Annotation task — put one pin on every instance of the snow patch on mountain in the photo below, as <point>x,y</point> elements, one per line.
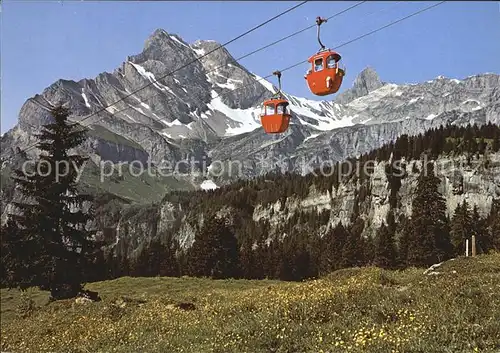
<point>151,77</point>
<point>471,105</point>
<point>268,85</point>
<point>331,124</point>
<point>310,137</point>
<point>375,97</point>
<point>86,100</point>
<point>414,100</point>
<point>130,118</point>
<point>246,119</point>
<point>170,124</point>
<point>276,139</point>
<point>199,52</point>
<point>138,109</point>
<point>227,85</point>
<point>320,111</point>
<point>111,109</point>
<point>471,101</point>
<point>141,102</point>
<point>178,41</point>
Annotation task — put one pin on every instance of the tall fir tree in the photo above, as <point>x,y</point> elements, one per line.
<point>140,265</point>
<point>215,251</point>
<point>112,266</point>
<point>248,259</point>
<point>479,229</point>
<point>96,270</point>
<point>366,245</point>
<point>332,245</point>
<point>495,145</point>
<point>493,230</point>
<point>461,228</point>
<point>429,242</point>
<point>284,269</point>
<point>405,233</point>
<point>52,245</point>
<point>258,254</point>
<point>157,259</point>
<point>369,250</point>
<point>295,261</point>
<point>385,249</point>
<point>226,252</point>
<point>353,251</point>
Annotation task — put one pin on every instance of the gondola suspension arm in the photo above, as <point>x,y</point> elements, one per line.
<point>319,21</point>
<point>278,74</point>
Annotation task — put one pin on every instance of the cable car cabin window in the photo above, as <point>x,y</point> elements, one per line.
<point>330,62</point>
<point>270,109</point>
<point>281,109</point>
<point>318,64</point>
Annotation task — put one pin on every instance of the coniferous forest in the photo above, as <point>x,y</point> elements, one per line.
<point>243,249</point>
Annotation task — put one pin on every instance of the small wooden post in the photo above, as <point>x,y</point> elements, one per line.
<point>473,245</point>
<point>466,247</point>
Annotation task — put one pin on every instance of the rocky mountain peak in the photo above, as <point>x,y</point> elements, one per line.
<point>218,57</point>
<point>161,44</point>
<point>158,37</point>
<point>212,106</point>
<point>367,81</point>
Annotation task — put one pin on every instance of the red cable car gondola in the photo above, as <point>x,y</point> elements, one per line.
<point>275,117</point>
<point>325,76</point>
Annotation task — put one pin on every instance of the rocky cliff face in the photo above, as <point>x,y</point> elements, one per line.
<point>195,114</point>
<point>476,180</point>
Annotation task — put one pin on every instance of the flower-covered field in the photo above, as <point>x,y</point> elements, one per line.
<point>454,309</point>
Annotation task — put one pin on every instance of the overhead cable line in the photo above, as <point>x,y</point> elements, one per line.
<point>152,82</point>
<point>337,47</point>
<point>254,52</point>
<point>261,48</point>
<point>301,62</point>
<point>212,70</point>
<point>305,61</point>
<point>345,43</point>
<point>197,59</point>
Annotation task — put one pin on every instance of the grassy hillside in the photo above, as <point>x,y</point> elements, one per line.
<point>144,188</point>
<point>454,309</point>
<point>101,132</point>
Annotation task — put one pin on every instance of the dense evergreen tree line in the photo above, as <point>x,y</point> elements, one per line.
<point>300,252</point>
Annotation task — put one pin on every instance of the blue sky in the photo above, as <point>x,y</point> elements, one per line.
<point>47,40</point>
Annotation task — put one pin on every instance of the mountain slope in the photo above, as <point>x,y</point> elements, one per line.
<point>192,113</point>
<point>293,204</point>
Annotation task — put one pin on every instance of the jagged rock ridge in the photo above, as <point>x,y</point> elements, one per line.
<point>191,114</point>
